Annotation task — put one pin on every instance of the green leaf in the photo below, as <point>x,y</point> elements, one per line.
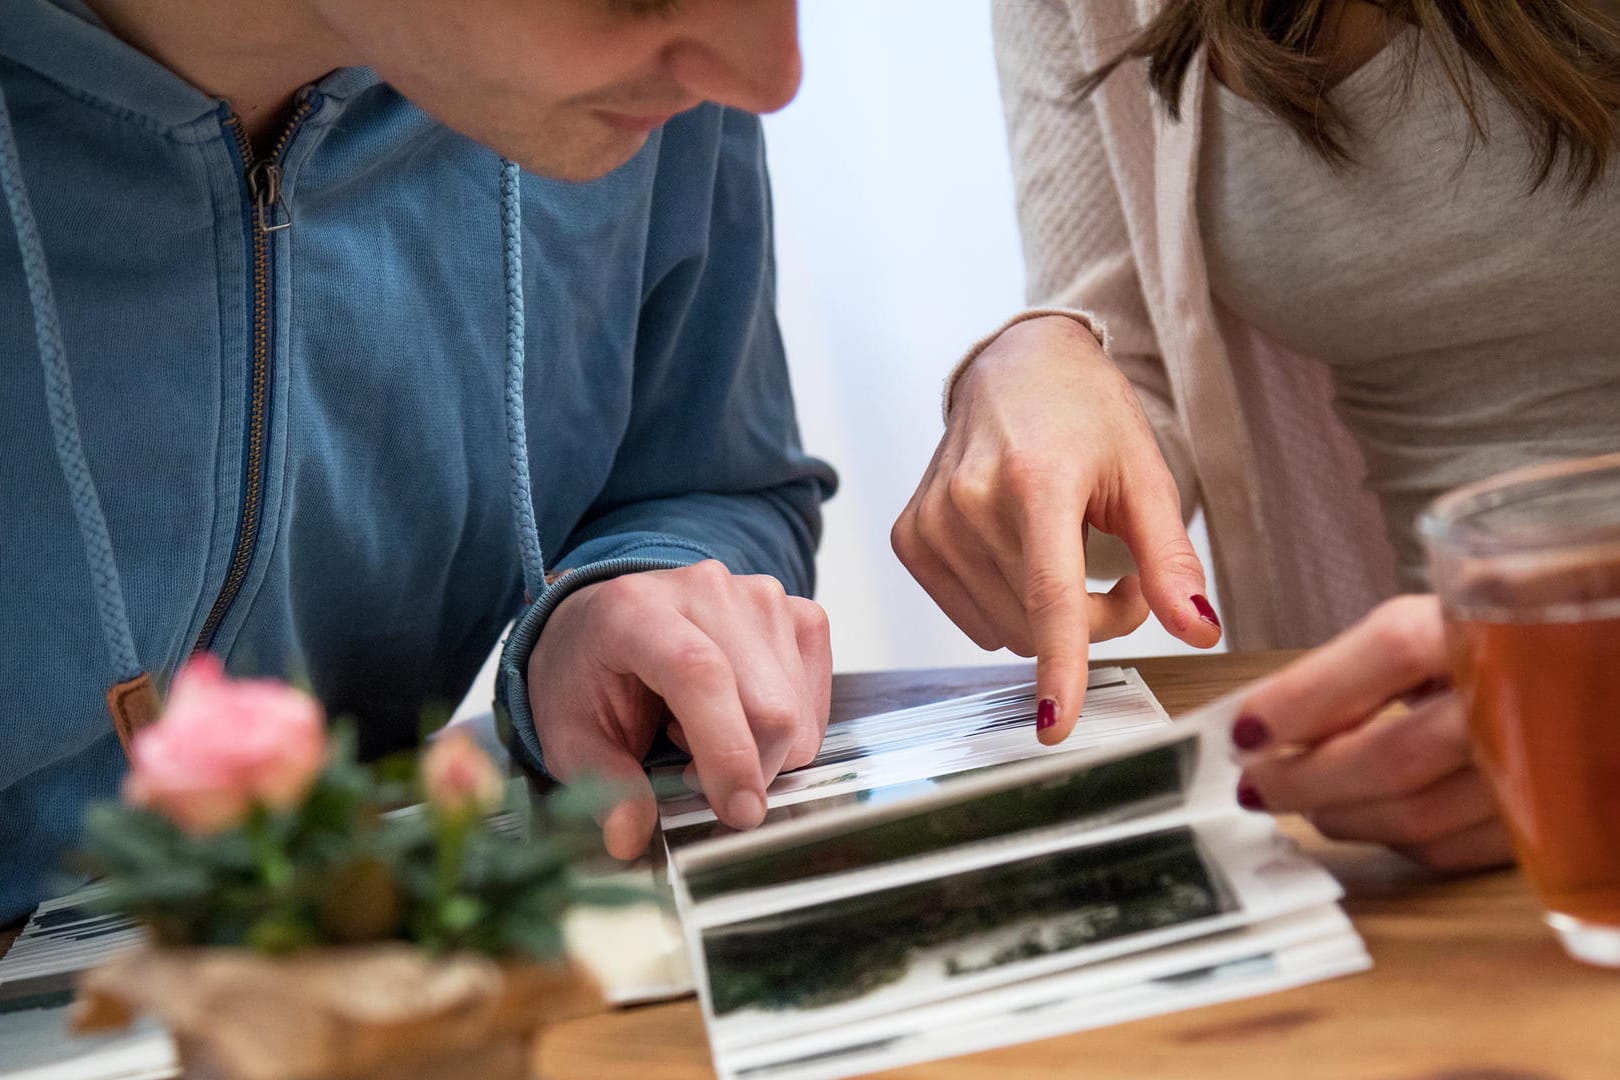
<point>329,807</point>
<point>118,837</point>
<point>281,932</point>
<point>432,719</point>
<point>137,893</point>
<point>494,862</point>
<point>460,913</point>
<point>580,801</point>
<point>609,895</point>
<point>542,940</point>
<point>342,742</point>
<point>399,768</point>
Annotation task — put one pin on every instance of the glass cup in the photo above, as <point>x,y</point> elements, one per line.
<point>1527,567</point>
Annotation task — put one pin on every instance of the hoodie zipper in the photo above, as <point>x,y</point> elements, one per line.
<point>263,178</point>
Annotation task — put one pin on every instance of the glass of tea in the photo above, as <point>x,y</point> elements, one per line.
<point>1527,567</point>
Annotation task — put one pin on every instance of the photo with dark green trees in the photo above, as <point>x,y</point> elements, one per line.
<point>841,951</point>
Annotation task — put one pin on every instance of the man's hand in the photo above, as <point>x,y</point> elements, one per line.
<point>1045,439</point>
<point>1323,740</point>
<point>740,670</point>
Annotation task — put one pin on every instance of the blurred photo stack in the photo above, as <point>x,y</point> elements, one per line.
<point>938,882</point>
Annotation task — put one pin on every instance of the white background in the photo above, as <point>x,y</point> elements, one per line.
<point>897,247</point>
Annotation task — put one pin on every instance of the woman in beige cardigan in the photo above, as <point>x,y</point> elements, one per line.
<point>1415,193</point>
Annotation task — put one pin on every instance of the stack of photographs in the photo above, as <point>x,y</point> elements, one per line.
<point>937,882</point>
<point>64,937</point>
<point>886,756</point>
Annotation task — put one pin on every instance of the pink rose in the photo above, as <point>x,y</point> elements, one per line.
<point>459,777</point>
<point>222,746</point>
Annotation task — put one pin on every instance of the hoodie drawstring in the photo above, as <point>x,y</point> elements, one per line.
<point>70,457</point>
<point>517,438</point>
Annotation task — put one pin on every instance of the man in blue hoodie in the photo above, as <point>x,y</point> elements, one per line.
<point>325,319</point>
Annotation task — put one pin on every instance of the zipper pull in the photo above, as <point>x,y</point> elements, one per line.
<point>264,184</point>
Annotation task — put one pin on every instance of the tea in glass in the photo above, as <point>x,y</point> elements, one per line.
<point>1527,567</point>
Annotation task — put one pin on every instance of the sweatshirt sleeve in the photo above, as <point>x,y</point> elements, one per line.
<point>1078,247</point>
<point>710,465</point>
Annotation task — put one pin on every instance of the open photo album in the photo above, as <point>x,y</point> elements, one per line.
<point>938,882</point>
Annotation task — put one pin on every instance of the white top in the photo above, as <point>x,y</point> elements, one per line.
<point>1468,326</point>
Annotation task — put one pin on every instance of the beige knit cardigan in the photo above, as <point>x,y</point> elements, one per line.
<point>1107,199</point>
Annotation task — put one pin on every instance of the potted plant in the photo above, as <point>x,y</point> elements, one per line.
<point>305,923</point>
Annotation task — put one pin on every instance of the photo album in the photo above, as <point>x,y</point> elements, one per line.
<point>938,882</point>
<point>934,883</point>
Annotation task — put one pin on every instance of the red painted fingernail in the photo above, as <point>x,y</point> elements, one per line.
<point>1206,610</point>
<point>1250,733</point>
<point>1045,714</point>
<point>1249,798</point>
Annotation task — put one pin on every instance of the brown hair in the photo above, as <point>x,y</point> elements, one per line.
<point>1555,62</point>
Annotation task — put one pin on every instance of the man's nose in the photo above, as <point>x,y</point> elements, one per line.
<point>743,54</point>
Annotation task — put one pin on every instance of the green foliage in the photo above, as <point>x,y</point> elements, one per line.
<point>338,869</point>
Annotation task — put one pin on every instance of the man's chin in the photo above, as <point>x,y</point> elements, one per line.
<point>581,160</point>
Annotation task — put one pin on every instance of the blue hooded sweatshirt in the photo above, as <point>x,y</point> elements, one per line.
<point>320,412</point>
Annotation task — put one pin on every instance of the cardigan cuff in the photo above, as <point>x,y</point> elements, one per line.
<point>1084,318</point>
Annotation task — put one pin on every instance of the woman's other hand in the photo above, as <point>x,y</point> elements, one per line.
<point>1366,738</point>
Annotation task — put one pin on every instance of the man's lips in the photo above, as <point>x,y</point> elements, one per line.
<point>642,122</point>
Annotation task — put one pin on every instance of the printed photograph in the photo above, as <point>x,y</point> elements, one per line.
<point>1134,786</point>
<point>682,837</point>
<point>947,928</point>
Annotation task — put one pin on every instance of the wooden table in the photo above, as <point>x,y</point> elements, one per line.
<point>1467,985</point>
